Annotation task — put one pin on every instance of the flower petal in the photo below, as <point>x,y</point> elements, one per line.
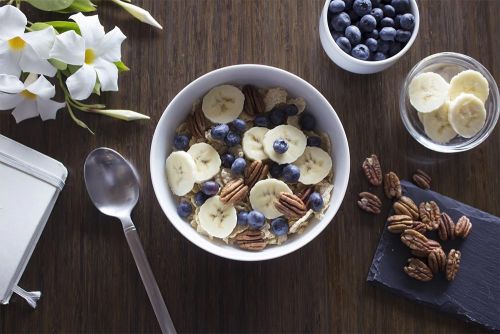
<point>42,88</point>
<point>9,63</point>
<point>69,47</point>
<point>91,29</point>
<point>48,108</point>
<point>24,110</point>
<point>9,101</point>
<point>81,83</point>
<point>41,41</point>
<point>140,14</point>
<point>10,84</point>
<point>108,75</point>
<point>31,62</point>
<point>110,46</point>
<point>13,22</point>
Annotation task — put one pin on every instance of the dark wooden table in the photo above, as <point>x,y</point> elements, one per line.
<point>82,262</point>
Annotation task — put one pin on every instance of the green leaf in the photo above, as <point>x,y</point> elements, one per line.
<point>60,26</point>
<point>58,64</point>
<point>50,5</point>
<point>73,68</point>
<point>39,26</point>
<point>121,66</point>
<point>97,88</point>
<point>79,6</point>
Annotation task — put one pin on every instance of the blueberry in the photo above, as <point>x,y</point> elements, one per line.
<point>277,116</point>
<point>275,170</point>
<point>181,142</point>
<point>348,4</point>
<point>361,51</point>
<point>184,209</point>
<point>307,122</point>
<point>395,48</point>
<point>401,6</point>
<point>316,201</point>
<point>372,44</point>
<point>242,218</point>
<point>210,188</point>
<point>232,138</point>
<point>383,46</point>
<point>314,141</point>
<point>402,36</point>
<point>227,160</point>
<point>280,146</point>
<point>340,21</point>
<point>407,21</point>
<point>336,6</point>
<point>262,120</point>
<point>389,11</point>
<point>377,13</point>
<point>291,173</point>
<point>336,34</point>
<point>279,226</point>
<point>238,166</point>
<point>386,22</point>
<point>219,131</point>
<point>368,23</point>
<point>353,34</point>
<point>352,15</point>
<point>200,198</point>
<point>344,44</point>
<point>387,34</point>
<point>291,110</point>
<point>239,125</point>
<point>397,21</point>
<point>372,34</point>
<point>362,7</point>
<point>379,56</point>
<point>255,219</point>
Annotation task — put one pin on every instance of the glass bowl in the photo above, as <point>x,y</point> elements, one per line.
<point>448,64</point>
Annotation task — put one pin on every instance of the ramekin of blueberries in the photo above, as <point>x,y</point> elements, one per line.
<point>367,36</point>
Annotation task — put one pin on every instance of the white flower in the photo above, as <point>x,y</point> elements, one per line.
<point>139,13</point>
<point>20,51</point>
<point>29,99</point>
<point>94,50</point>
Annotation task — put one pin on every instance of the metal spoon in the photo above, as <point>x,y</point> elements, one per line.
<point>113,186</point>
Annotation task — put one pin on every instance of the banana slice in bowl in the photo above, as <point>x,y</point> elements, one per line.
<point>428,92</point>
<point>471,82</point>
<point>315,164</point>
<point>295,138</point>
<point>207,161</point>
<point>252,143</point>
<point>216,218</point>
<point>467,115</point>
<point>223,104</point>
<point>436,125</point>
<point>263,195</point>
<point>180,169</point>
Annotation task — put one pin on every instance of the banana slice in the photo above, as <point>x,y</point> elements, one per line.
<point>467,115</point>
<point>295,138</point>
<point>263,195</point>
<point>180,168</point>
<point>436,125</point>
<point>428,91</point>
<point>207,161</point>
<point>223,104</point>
<point>471,82</point>
<point>217,218</point>
<point>315,164</point>
<point>252,143</point>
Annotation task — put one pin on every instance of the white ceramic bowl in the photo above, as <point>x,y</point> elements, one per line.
<point>351,64</point>
<point>261,76</point>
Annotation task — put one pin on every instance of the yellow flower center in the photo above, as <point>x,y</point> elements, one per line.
<point>28,95</point>
<point>89,56</point>
<point>16,43</point>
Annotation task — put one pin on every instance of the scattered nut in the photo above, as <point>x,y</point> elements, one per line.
<point>372,169</point>
<point>392,186</point>
<point>452,264</point>
<point>446,229</point>
<point>463,227</point>
<point>255,172</point>
<point>406,206</point>
<point>422,179</point>
<point>290,205</point>
<point>369,202</point>
<point>419,227</point>
<point>233,192</point>
<point>430,214</point>
<point>251,240</point>
<point>437,260</point>
<point>254,102</point>
<point>419,242</point>
<point>418,270</point>
<point>399,223</point>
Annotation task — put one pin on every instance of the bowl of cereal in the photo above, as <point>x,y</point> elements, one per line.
<point>249,162</point>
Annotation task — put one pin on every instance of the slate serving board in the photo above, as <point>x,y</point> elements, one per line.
<point>474,295</point>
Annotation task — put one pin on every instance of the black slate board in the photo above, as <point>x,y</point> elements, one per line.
<point>474,295</point>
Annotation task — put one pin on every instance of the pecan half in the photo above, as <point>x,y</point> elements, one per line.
<point>430,214</point>
<point>290,205</point>
<point>406,206</point>
<point>419,227</point>
<point>446,229</point>
<point>419,242</point>
<point>305,193</point>
<point>418,270</point>
<point>463,227</point>
<point>369,202</point>
<point>437,260</point>
<point>251,240</point>
<point>233,192</point>
<point>392,185</point>
<point>422,179</point>
<point>254,102</point>
<point>255,172</point>
<point>399,223</point>
<point>372,169</point>
<point>197,123</point>
<point>452,264</point>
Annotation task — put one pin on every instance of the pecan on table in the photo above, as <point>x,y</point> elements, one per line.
<point>418,270</point>
<point>405,206</point>
<point>437,260</point>
<point>446,229</point>
<point>419,242</point>
<point>290,205</point>
<point>233,192</point>
<point>399,223</point>
<point>369,202</point>
<point>255,172</point>
<point>392,186</point>
<point>422,179</point>
<point>254,102</point>
<point>452,264</point>
<point>251,240</point>
<point>305,193</point>
<point>430,214</point>
<point>372,169</point>
<point>197,123</point>
<point>463,227</point>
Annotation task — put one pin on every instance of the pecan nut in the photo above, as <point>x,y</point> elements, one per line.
<point>255,172</point>
<point>418,253</point>
<point>437,260</point>
<point>418,270</point>
<point>399,223</point>
<point>254,102</point>
<point>419,242</point>
<point>372,169</point>
<point>290,205</point>
<point>422,179</point>
<point>233,192</point>
<point>463,227</point>
<point>419,227</point>
<point>452,264</point>
<point>392,186</point>
<point>251,240</point>
<point>406,206</point>
<point>446,229</point>
<point>305,193</point>
<point>430,214</point>
<point>197,123</point>
<point>369,202</point>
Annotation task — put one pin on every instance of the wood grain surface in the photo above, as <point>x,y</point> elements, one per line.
<point>82,262</point>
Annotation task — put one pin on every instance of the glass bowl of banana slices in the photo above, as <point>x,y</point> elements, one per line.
<point>449,102</point>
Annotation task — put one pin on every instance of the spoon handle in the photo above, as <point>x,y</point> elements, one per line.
<point>148,278</point>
